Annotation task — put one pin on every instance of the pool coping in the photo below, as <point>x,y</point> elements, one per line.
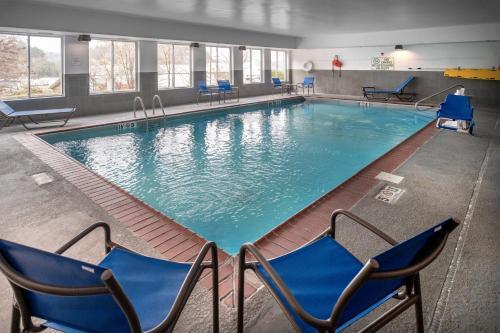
<point>178,243</point>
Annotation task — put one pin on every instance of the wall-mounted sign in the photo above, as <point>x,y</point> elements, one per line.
<point>383,63</point>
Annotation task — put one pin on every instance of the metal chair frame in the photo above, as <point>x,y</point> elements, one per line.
<point>410,296</point>
<point>21,310</point>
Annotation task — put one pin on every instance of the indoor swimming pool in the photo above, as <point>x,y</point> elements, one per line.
<point>233,175</point>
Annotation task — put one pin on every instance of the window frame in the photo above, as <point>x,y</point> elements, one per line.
<point>231,62</point>
<point>173,64</point>
<point>262,73</point>
<point>137,72</point>
<point>63,81</point>
<point>286,62</point>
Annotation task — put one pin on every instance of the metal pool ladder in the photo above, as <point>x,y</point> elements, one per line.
<point>157,98</point>
<point>138,101</point>
<point>275,102</point>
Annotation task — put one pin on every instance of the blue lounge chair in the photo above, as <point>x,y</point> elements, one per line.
<point>125,292</point>
<point>322,287</point>
<point>456,108</point>
<point>10,116</point>
<point>225,87</point>
<point>204,90</point>
<point>370,93</point>
<point>277,84</point>
<point>307,83</point>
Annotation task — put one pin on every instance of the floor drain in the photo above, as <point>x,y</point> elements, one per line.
<point>389,194</point>
<point>42,178</point>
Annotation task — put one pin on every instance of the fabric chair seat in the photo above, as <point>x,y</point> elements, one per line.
<point>334,268</point>
<point>151,284</point>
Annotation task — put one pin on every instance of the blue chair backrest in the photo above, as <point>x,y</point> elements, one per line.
<point>397,257</point>
<point>86,313</point>
<point>202,86</point>
<point>404,84</point>
<point>5,109</point>
<point>456,107</point>
<point>309,80</point>
<point>224,85</point>
<point>276,81</point>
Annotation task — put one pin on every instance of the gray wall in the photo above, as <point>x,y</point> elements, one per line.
<point>484,93</point>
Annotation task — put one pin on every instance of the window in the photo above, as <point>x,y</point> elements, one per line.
<point>252,66</point>
<point>174,66</point>
<point>30,66</point>
<point>112,66</point>
<point>218,64</point>
<point>279,66</point>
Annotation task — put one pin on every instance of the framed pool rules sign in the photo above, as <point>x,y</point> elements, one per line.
<point>383,63</point>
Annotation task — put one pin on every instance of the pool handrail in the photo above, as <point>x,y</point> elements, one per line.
<point>158,98</point>
<point>436,94</point>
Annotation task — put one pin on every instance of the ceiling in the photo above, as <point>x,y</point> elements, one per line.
<point>303,18</point>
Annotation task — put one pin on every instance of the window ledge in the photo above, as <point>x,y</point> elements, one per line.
<point>175,88</point>
<point>32,98</point>
<point>114,92</point>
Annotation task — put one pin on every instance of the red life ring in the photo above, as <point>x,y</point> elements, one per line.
<point>336,62</point>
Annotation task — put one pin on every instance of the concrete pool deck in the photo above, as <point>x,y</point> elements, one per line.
<point>449,163</point>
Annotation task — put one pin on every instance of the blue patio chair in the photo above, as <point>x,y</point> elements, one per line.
<point>204,90</point>
<point>125,292</point>
<point>370,93</point>
<point>459,109</point>
<point>322,287</point>
<point>225,87</point>
<point>277,84</point>
<point>307,83</point>
<point>9,116</point>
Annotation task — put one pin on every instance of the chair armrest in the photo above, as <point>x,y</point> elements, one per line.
<point>367,87</point>
<point>280,284</point>
<point>108,244</point>
<point>360,221</point>
<point>188,285</point>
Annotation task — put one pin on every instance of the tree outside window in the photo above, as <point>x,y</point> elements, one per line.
<point>279,64</point>
<point>252,66</point>
<point>174,66</point>
<point>30,66</point>
<point>218,61</point>
<point>112,66</point>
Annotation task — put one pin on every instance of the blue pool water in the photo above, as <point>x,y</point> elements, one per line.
<point>233,175</point>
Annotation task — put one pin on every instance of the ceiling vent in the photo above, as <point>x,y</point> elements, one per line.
<point>84,38</point>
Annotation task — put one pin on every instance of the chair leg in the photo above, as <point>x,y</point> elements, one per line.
<point>418,306</point>
<point>241,291</point>
<point>215,290</point>
<point>15,321</point>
